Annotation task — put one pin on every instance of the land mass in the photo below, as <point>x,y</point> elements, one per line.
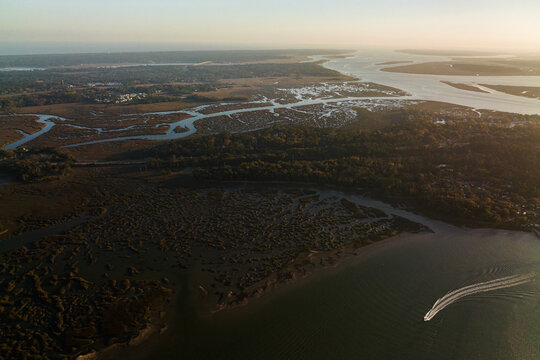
<point>164,57</point>
<point>526,91</point>
<point>464,86</point>
<point>128,239</point>
<point>473,67</point>
<point>252,200</point>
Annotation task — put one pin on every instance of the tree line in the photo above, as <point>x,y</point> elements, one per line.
<point>464,170</point>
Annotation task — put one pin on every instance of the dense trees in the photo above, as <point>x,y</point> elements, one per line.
<point>106,94</point>
<point>12,82</point>
<point>157,83</point>
<point>466,170</point>
<point>35,164</point>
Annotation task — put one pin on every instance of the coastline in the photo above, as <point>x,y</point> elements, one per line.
<point>337,263</point>
<point>324,264</point>
<point>306,267</point>
<point>156,325</point>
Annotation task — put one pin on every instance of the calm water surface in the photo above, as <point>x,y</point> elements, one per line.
<point>373,306</point>
<point>366,66</point>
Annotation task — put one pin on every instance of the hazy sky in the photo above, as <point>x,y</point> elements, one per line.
<point>479,24</point>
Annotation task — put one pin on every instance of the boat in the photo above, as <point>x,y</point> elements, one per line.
<point>453,296</point>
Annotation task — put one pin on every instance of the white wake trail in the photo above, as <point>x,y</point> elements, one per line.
<point>491,285</point>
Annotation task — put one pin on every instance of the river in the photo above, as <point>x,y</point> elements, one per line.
<point>373,305</point>
<point>195,114</point>
<point>361,65</point>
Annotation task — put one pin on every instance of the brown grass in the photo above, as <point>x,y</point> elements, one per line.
<point>437,107</point>
<point>242,88</point>
<point>115,150</point>
<point>82,111</point>
<point>43,203</point>
<point>10,124</point>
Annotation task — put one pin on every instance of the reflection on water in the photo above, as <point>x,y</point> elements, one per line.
<point>362,65</point>
<point>374,306</point>
<point>42,119</point>
<point>430,87</point>
<point>188,123</point>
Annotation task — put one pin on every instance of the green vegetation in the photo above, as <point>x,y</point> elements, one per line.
<point>125,238</point>
<point>466,171</point>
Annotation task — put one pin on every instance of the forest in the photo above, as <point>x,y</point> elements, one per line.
<point>159,83</point>
<point>469,172</point>
<point>12,82</point>
<point>35,164</point>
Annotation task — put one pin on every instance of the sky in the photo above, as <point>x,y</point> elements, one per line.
<point>39,25</point>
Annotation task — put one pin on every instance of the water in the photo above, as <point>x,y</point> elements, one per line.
<point>374,308</point>
<point>43,119</point>
<point>362,65</point>
<point>21,69</point>
<point>429,87</point>
<point>195,115</point>
<point>492,285</point>
<point>185,123</point>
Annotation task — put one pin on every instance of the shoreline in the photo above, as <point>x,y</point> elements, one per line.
<point>306,266</point>
<point>348,257</point>
<point>156,325</point>
<point>195,302</point>
<point>152,338</point>
<point>448,68</point>
<point>186,127</point>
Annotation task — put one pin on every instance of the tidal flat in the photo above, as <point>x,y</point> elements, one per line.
<point>155,247</point>
<point>118,270</point>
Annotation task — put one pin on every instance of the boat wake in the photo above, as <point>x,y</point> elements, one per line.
<point>491,285</point>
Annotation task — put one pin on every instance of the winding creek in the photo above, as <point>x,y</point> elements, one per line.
<point>372,306</point>
<point>188,123</point>
<point>42,119</point>
<point>362,65</point>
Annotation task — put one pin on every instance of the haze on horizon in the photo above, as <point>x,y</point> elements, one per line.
<point>32,26</point>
